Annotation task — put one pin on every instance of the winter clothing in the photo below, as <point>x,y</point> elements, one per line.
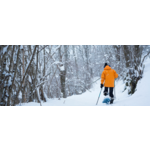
<point>110,92</point>
<point>105,93</point>
<point>102,85</point>
<point>108,75</point>
<point>105,65</point>
<point>112,101</point>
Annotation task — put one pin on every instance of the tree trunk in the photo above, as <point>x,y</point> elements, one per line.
<point>23,72</point>
<point>62,74</point>
<point>42,88</point>
<point>127,55</point>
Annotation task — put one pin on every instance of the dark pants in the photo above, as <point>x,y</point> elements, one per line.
<point>110,91</point>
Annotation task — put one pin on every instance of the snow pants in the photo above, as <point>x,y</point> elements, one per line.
<point>110,91</point>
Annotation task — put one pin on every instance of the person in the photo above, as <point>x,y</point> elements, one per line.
<point>107,80</point>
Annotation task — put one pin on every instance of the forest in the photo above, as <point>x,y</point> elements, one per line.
<point>33,73</point>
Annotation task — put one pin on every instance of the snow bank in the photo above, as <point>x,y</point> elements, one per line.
<point>141,97</point>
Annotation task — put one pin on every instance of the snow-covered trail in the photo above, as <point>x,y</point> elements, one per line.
<point>86,99</point>
<point>140,98</point>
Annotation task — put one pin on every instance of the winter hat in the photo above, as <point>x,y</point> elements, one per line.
<point>105,65</point>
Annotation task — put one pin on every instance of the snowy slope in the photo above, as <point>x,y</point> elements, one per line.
<point>142,95</point>
<point>140,98</point>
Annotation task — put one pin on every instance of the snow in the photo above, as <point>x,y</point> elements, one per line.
<point>9,82</point>
<point>140,98</point>
<point>30,79</point>
<point>5,49</point>
<point>21,46</point>
<point>20,95</point>
<point>62,68</point>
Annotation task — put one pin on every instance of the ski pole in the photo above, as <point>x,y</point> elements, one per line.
<point>99,96</point>
<point>115,90</point>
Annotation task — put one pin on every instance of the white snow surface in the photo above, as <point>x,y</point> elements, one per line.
<point>140,98</point>
<point>62,68</point>
<point>5,49</point>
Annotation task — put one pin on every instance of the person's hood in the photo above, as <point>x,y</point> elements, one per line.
<point>107,68</point>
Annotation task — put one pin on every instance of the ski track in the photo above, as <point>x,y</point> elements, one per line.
<point>140,98</point>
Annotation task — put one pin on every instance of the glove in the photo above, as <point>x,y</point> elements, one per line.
<point>102,85</point>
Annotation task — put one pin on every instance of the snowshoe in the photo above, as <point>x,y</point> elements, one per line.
<point>106,100</point>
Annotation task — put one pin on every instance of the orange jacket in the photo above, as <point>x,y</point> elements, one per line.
<point>108,75</point>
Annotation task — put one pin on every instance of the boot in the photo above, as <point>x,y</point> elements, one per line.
<point>105,93</point>
<point>112,101</point>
